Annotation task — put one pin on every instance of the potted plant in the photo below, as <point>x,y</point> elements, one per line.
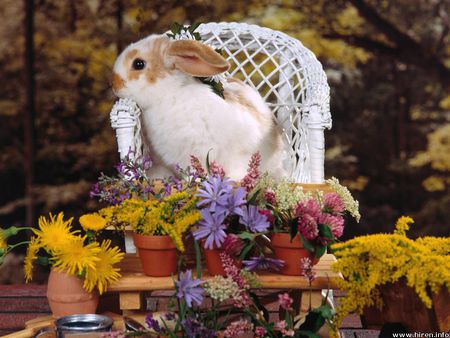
<point>304,223</point>
<point>392,278</point>
<point>81,266</point>
<point>231,219</point>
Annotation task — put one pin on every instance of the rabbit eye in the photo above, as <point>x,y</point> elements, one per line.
<point>138,64</point>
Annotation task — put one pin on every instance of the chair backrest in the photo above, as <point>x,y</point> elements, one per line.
<point>291,80</point>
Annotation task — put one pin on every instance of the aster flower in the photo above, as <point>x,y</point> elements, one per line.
<point>253,219</point>
<point>212,227</point>
<point>263,263</point>
<point>333,203</point>
<point>236,200</point>
<point>233,245</point>
<point>335,223</point>
<point>188,289</point>
<point>307,269</point>
<point>253,173</point>
<point>215,193</point>
<point>152,323</point>
<point>237,328</point>
<point>285,301</point>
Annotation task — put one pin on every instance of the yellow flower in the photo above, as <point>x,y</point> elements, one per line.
<point>92,222</point>
<point>402,225</point>
<point>54,233</point>
<point>74,257</point>
<point>32,250</point>
<point>103,272</point>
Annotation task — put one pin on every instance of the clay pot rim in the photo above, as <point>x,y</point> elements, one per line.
<point>283,240</point>
<point>155,242</point>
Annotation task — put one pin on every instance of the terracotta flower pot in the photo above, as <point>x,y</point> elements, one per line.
<point>66,295</point>
<point>214,263</point>
<point>158,255</point>
<point>291,252</point>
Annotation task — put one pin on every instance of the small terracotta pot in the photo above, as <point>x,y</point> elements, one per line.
<point>66,295</point>
<point>291,252</point>
<point>158,255</point>
<point>214,263</point>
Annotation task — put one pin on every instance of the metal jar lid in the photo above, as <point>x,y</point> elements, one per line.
<point>84,323</point>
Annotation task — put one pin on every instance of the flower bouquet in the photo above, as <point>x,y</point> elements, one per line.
<point>81,266</point>
<point>304,224</point>
<point>398,275</point>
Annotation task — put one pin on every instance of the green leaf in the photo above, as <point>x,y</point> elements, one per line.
<point>325,311</point>
<point>194,26</point>
<point>307,244</point>
<point>293,229</point>
<point>258,304</point>
<point>320,251</point>
<point>43,260</point>
<point>246,235</point>
<point>303,334</point>
<point>246,250</point>
<point>208,164</point>
<point>198,259</point>
<point>313,322</point>
<point>325,231</point>
<point>254,196</point>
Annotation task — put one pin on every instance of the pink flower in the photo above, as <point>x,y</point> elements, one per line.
<point>237,328</point>
<point>285,301</point>
<point>270,197</point>
<point>334,222</point>
<point>260,331</point>
<point>232,271</point>
<point>197,167</point>
<point>333,203</point>
<point>288,333</point>
<point>307,269</point>
<point>216,169</point>
<point>308,214</point>
<point>253,173</point>
<point>281,325</point>
<point>233,245</point>
<point>268,214</point>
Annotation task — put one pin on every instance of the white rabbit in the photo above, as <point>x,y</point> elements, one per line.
<point>183,116</point>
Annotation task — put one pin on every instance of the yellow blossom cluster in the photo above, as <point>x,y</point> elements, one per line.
<point>366,262</point>
<point>72,253</point>
<point>172,215</point>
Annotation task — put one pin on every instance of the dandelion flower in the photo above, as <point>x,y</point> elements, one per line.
<point>92,222</point>
<point>3,244</point>
<point>32,250</point>
<point>103,273</point>
<point>75,257</point>
<point>54,233</point>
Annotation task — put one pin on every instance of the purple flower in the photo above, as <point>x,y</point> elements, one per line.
<point>253,219</point>
<point>236,200</point>
<point>193,328</point>
<point>211,226</point>
<point>263,263</point>
<point>188,288</point>
<point>215,192</point>
<point>152,323</point>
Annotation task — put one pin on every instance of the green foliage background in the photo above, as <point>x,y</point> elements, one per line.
<point>390,142</point>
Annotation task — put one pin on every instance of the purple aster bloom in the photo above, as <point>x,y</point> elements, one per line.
<point>236,200</point>
<point>147,163</point>
<point>170,316</point>
<point>263,263</point>
<point>253,219</point>
<point>193,328</point>
<point>215,192</point>
<point>211,226</point>
<point>188,288</point>
<point>152,323</point>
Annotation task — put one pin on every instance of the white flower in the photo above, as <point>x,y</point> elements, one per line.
<point>184,35</point>
<point>350,204</point>
<point>221,288</point>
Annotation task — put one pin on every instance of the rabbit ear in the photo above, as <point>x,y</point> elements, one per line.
<point>196,59</point>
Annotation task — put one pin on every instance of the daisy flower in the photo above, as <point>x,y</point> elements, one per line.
<point>103,273</point>
<point>74,257</point>
<point>32,250</point>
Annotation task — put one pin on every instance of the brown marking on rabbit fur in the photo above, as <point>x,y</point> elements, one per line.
<point>117,82</point>
<point>129,57</point>
<point>235,96</point>
<point>157,69</point>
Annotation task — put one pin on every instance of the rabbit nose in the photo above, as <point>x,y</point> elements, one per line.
<point>117,82</point>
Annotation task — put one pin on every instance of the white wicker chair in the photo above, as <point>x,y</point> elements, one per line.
<point>288,76</point>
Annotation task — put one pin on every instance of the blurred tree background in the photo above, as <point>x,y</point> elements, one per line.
<point>388,65</point>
